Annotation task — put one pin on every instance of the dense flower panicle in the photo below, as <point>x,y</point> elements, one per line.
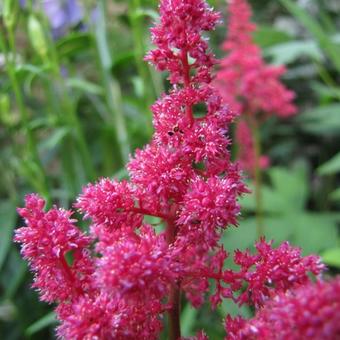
<point>178,35</point>
<point>46,241</point>
<point>270,271</point>
<point>252,88</point>
<point>183,177</point>
<point>311,311</point>
<point>245,81</point>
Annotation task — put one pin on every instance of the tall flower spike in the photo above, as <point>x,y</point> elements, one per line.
<point>252,88</point>
<point>185,178</point>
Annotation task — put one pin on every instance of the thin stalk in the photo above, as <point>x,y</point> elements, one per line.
<point>137,32</point>
<point>111,87</point>
<point>258,179</point>
<point>70,116</point>
<point>32,148</point>
<point>175,294</point>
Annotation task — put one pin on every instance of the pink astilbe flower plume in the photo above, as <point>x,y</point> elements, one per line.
<point>47,239</point>
<point>311,311</point>
<point>125,275</point>
<point>252,88</point>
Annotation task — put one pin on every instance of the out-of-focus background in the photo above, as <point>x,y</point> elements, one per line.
<point>74,103</point>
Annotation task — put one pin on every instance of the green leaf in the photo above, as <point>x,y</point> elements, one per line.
<point>266,36</point>
<point>46,321</point>
<point>140,13</point>
<point>230,307</point>
<point>322,37</point>
<point>330,167</point>
<point>84,85</point>
<point>73,43</point>
<point>335,195</point>
<point>323,120</point>
<point>55,139</point>
<point>188,319</point>
<point>7,223</point>
<point>286,53</point>
<point>291,186</point>
<point>315,232</point>
<point>332,257</point>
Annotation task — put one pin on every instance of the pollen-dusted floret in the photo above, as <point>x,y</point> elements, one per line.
<point>48,238</point>
<point>312,311</point>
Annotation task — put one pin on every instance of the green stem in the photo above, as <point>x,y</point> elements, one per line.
<point>111,87</point>
<point>139,52</point>
<point>258,179</point>
<point>32,148</point>
<point>68,108</point>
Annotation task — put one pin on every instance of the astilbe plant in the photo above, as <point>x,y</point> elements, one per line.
<point>251,87</point>
<point>118,281</point>
<point>311,311</point>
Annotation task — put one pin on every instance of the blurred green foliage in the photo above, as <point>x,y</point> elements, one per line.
<point>72,109</point>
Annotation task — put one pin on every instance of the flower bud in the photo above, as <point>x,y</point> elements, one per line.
<point>37,36</point>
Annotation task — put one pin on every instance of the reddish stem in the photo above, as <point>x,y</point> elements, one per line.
<point>175,294</point>
<point>70,275</point>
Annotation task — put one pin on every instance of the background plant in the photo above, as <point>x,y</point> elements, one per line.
<point>96,58</point>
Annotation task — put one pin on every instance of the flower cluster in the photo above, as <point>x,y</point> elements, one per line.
<point>118,282</point>
<point>311,311</point>
<point>250,86</point>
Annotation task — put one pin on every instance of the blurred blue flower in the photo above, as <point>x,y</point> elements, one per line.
<point>62,14</point>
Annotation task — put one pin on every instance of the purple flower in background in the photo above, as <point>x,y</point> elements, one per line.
<point>62,14</point>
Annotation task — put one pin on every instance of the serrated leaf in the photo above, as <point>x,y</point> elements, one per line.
<point>291,186</point>
<point>315,232</point>
<point>288,52</point>
<point>323,120</point>
<point>330,167</point>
